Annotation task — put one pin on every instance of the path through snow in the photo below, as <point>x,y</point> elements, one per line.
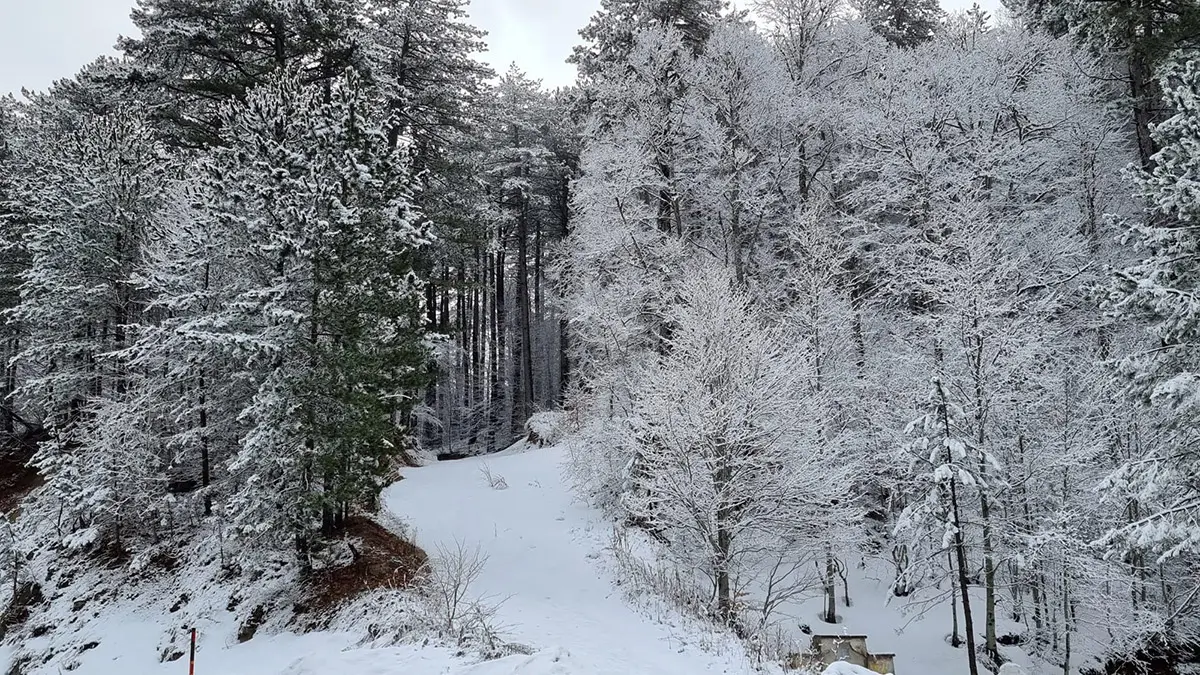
<point>545,566</point>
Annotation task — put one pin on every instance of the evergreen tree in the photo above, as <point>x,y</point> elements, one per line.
<point>609,35</point>
<point>1143,33</point>
<point>195,54</point>
<point>325,304</point>
<point>1161,289</point>
<point>92,182</point>
<point>904,23</point>
<point>13,261</point>
<point>420,54</point>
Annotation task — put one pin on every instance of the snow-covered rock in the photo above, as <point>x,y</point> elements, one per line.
<point>545,428</point>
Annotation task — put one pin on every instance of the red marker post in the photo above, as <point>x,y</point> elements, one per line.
<point>192,658</point>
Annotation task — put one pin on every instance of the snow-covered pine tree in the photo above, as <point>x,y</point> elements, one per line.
<point>420,54</point>
<point>92,178</point>
<point>323,312</point>
<point>192,55</point>
<point>12,263</point>
<point>904,23</point>
<point>189,395</point>
<point>610,34</point>
<point>1158,485</point>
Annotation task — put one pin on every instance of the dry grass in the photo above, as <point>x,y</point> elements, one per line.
<point>383,561</point>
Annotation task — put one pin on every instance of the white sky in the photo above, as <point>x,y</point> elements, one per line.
<point>44,40</point>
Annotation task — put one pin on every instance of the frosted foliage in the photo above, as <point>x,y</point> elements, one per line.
<point>1161,287</point>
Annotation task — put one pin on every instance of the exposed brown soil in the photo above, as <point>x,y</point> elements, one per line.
<point>383,560</point>
<point>28,596</point>
<point>17,478</point>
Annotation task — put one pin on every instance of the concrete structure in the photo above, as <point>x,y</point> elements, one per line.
<point>853,649</point>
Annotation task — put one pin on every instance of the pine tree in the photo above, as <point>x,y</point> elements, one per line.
<point>1161,289</point>
<point>1143,33</point>
<point>420,54</point>
<point>609,35</point>
<point>13,261</point>
<point>325,305</point>
<point>904,23</point>
<point>194,54</point>
<point>92,180</point>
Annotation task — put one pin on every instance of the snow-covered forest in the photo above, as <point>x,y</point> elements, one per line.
<point>797,288</point>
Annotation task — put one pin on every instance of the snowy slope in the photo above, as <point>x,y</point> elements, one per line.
<point>549,573</point>
<point>546,566</point>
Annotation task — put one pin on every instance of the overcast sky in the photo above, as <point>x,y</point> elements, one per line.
<point>43,40</point>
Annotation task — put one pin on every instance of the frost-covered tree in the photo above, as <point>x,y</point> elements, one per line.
<point>91,182</point>
<point>610,34</point>
<point>1160,289</point>
<point>320,307</point>
<point>420,53</point>
<point>192,55</point>
<point>1142,34</point>
<point>946,465</point>
<point>12,263</point>
<point>739,476</point>
<point>813,300</point>
<point>737,155</point>
<point>904,23</point>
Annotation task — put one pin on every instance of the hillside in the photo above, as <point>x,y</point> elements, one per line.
<point>548,585</point>
<point>545,572</point>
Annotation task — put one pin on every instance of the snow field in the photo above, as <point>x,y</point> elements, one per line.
<point>546,567</point>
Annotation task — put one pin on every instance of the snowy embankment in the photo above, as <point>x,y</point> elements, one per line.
<point>546,569</point>
<point>545,573</point>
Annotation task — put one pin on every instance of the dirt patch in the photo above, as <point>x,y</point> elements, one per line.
<point>249,628</point>
<point>382,560</point>
<point>28,596</point>
<point>17,478</point>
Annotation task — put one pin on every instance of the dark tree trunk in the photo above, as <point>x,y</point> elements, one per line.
<point>523,403</point>
<point>498,347</point>
<point>960,547</point>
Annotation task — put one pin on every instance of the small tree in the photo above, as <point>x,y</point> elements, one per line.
<point>945,462</point>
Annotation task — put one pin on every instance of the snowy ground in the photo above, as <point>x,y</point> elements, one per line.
<point>546,567</point>
<point>548,572</point>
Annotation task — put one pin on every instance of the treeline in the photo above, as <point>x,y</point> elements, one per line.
<point>269,253</point>
<point>892,282</point>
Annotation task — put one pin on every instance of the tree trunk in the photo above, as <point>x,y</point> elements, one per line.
<point>829,614</point>
<point>205,467</point>
<point>985,508</point>
<point>1143,92</point>
<point>960,548</point>
<point>523,403</point>
<point>499,332</point>
<point>444,308</point>
<point>955,638</point>
<point>564,361</point>
<point>477,353</point>
<point>8,416</point>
